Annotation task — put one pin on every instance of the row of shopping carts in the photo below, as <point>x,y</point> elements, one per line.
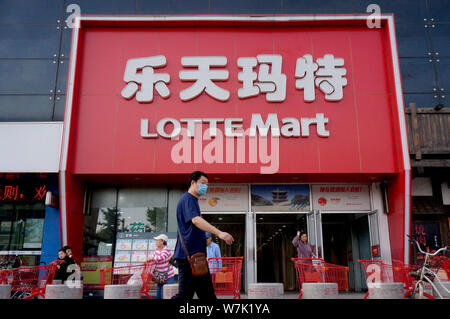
<point>226,273</point>
<point>376,271</point>
<point>316,270</point>
<point>31,282</point>
<point>28,282</point>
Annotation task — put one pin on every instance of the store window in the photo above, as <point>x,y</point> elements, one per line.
<point>115,211</point>
<point>100,223</point>
<point>142,210</point>
<point>21,231</point>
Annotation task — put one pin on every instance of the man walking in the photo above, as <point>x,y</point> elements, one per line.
<point>192,227</point>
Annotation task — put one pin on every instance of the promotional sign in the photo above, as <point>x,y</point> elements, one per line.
<point>341,197</point>
<point>22,192</point>
<point>428,235</point>
<point>225,198</point>
<point>34,230</point>
<point>90,266</point>
<point>275,198</point>
<point>136,248</point>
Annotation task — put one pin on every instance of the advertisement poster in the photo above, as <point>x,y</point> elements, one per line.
<point>138,256</point>
<point>140,244</point>
<point>123,256</point>
<point>341,197</point>
<point>275,198</point>
<point>34,229</point>
<point>225,198</point>
<point>428,235</point>
<point>90,266</point>
<point>136,247</point>
<point>123,244</point>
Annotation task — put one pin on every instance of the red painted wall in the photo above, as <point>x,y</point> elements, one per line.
<point>360,125</point>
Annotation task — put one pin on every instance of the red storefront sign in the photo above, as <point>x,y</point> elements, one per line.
<point>321,96</point>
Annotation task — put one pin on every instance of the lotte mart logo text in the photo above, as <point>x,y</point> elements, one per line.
<point>259,75</point>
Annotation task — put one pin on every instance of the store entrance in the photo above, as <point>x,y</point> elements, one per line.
<point>346,238</point>
<point>233,224</point>
<point>274,248</point>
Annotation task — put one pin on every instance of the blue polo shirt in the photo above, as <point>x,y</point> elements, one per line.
<point>194,237</point>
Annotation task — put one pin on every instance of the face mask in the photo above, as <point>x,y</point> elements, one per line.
<point>202,188</point>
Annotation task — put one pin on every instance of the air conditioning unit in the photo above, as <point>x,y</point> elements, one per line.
<point>421,186</point>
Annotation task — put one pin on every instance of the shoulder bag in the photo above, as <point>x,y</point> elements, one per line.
<point>198,262</point>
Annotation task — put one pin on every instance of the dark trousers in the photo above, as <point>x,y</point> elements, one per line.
<point>188,284</point>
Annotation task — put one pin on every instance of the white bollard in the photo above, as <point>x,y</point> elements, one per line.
<point>63,291</point>
<point>265,290</point>
<point>382,290</point>
<point>319,290</point>
<point>122,292</point>
<point>5,291</point>
<point>170,290</point>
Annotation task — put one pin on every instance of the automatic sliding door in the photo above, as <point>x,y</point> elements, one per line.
<point>233,224</point>
<point>274,248</point>
<point>314,220</point>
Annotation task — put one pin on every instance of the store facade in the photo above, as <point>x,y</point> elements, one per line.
<point>29,190</point>
<point>298,121</point>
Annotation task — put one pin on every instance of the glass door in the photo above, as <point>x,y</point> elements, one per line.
<point>234,224</point>
<point>274,248</point>
<point>314,221</point>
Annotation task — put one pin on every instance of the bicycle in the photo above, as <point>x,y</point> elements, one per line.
<point>425,274</point>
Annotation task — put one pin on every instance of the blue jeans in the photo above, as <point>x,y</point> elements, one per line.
<point>159,288</point>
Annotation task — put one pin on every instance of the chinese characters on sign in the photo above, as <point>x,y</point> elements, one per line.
<point>20,193</point>
<point>341,197</point>
<point>224,198</point>
<point>327,74</point>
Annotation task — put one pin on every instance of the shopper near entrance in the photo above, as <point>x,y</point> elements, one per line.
<point>69,255</point>
<point>192,228</point>
<point>163,273</point>
<point>213,251</point>
<point>304,249</point>
<point>61,266</point>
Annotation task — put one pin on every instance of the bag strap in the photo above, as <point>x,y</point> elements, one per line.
<point>184,247</point>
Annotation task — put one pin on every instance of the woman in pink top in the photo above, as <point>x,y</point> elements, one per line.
<point>161,256</point>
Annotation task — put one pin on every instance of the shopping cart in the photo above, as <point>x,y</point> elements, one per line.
<point>446,266</point>
<point>226,275</point>
<point>140,274</point>
<point>28,282</point>
<point>376,271</point>
<point>317,270</point>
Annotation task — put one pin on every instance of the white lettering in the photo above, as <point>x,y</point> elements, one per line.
<point>162,124</point>
<point>191,125</point>
<point>320,122</point>
<point>263,128</point>
<point>291,127</point>
<point>230,126</point>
